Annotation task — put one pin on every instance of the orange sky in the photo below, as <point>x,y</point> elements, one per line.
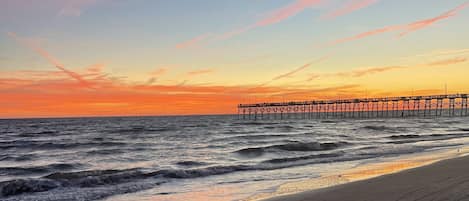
<point>67,58</point>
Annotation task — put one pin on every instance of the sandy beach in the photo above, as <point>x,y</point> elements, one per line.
<point>446,180</point>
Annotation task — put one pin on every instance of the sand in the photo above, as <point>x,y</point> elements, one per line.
<point>447,180</point>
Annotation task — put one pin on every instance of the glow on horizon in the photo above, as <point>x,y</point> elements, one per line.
<point>101,58</point>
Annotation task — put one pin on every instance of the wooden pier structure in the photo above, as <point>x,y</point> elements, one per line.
<point>389,107</point>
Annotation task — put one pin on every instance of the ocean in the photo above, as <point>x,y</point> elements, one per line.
<point>176,158</point>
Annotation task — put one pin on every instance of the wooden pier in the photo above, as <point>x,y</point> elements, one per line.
<point>389,107</point>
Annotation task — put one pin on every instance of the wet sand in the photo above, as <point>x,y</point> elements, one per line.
<point>446,180</point>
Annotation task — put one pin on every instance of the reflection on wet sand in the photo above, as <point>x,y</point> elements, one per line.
<point>362,172</point>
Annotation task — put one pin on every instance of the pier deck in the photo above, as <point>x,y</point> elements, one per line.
<point>386,107</point>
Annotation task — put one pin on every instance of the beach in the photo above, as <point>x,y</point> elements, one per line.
<point>445,180</point>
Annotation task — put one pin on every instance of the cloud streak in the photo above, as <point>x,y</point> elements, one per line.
<point>405,28</point>
<point>50,59</point>
<point>301,68</point>
<point>448,62</point>
<point>74,8</point>
<point>428,22</point>
<point>356,73</point>
<point>193,42</point>
<point>200,72</point>
<point>349,7</point>
<point>381,69</point>
<point>274,17</point>
<point>159,72</point>
<point>293,72</point>
<point>287,12</point>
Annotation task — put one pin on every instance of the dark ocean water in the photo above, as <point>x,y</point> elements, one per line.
<point>98,158</point>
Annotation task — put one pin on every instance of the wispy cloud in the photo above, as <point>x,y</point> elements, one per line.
<point>75,8</point>
<point>193,42</point>
<point>159,72</point>
<point>369,71</point>
<point>200,72</point>
<point>405,28</point>
<point>448,62</point>
<point>301,68</point>
<point>428,22</point>
<point>293,72</point>
<point>287,12</point>
<point>441,53</point>
<point>350,6</point>
<point>50,59</point>
<point>366,34</point>
<point>273,17</point>
<point>356,73</point>
<point>361,72</point>
<point>95,68</point>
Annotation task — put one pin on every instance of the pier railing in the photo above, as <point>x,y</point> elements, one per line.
<point>387,107</point>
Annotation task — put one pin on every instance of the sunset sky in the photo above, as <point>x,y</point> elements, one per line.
<point>169,57</point>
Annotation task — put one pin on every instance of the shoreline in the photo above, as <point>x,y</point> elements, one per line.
<point>308,189</point>
<point>401,179</point>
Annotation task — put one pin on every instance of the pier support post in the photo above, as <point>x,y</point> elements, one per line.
<point>376,109</point>
<point>427,106</point>
<point>439,106</point>
<point>416,111</point>
<point>464,106</point>
<point>405,107</point>
<point>395,107</point>
<point>451,106</point>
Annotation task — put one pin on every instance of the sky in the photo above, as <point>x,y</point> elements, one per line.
<point>65,58</point>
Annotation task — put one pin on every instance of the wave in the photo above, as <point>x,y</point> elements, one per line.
<point>410,136</point>
<point>114,178</point>
<point>35,134</point>
<point>39,169</point>
<point>190,163</point>
<point>44,145</point>
<point>254,123</point>
<point>383,128</point>
<point>250,137</point>
<point>142,129</point>
<point>18,158</point>
<point>295,146</point>
<point>293,159</point>
<point>97,178</point>
<point>404,139</point>
<point>20,186</point>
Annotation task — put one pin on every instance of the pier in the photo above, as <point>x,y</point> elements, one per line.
<point>388,107</point>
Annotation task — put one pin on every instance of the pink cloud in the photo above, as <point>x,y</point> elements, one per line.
<point>193,42</point>
<point>274,17</point>
<point>428,22</point>
<point>407,28</point>
<point>356,73</point>
<point>49,58</point>
<point>287,12</point>
<point>448,62</point>
<point>74,8</point>
<point>349,7</point>
<point>95,68</point>
<point>367,34</point>
<point>200,72</point>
